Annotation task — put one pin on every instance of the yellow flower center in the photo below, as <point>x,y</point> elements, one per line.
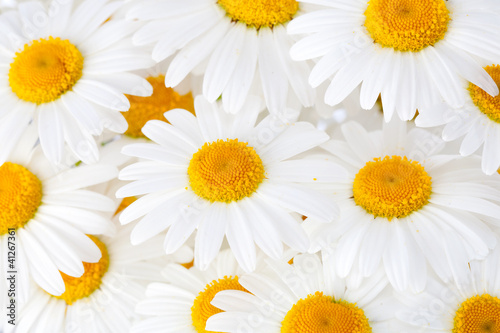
<point>486,103</point>
<point>260,13</point>
<point>323,314</point>
<point>225,171</point>
<point>407,25</point>
<point>478,314</point>
<point>202,309</point>
<point>45,69</point>
<point>90,281</point>
<point>20,196</point>
<point>127,201</point>
<point>143,109</point>
<point>392,187</point>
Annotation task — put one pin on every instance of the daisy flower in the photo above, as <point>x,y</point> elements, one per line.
<point>472,307</point>
<point>302,297</point>
<point>224,175</point>
<point>65,68</point>
<point>145,108</point>
<point>406,206</point>
<point>50,211</point>
<point>104,297</point>
<point>237,44</point>
<point>182,304</point>
<point>412,52</point>
<point>478,121</point>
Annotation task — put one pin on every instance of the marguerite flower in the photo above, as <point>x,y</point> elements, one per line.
<point>478,120</point>
<point>405,205</point>
<point>145,108</point>
<point>66,69</point>
<point>182,304</point>
<point>50,212</point>
<point>244,42</point>
<point>413,52</point>
<point>302,297</point>
<point>472,307</point>
<point>223,175</point>
<point>104,297</point>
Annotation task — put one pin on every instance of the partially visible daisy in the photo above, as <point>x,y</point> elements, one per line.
<point>68,73</point>
<point>104,297</point>
<point>224,175</point>
<point>472,307</point>
<point>240,46</point>
<point>182,304</point>
<point>303,297</point>
<point>412,52</point>
<point>478,121</point>
<point>406,206</point>
<point>50,212</point>
<point>145,108</point>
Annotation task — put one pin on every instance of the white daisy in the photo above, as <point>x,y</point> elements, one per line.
<point>182,305</point>
<point>145,108</point>
<point>472,307</point>
<point>65,68</point>
<point>413,52</point>
<point>50,212</point>
<point>405,205</point>
<point>237,44</point>
<point>224,175</point>
<point>302,297</point>
<point>478,121</point>
<point>104,297</point>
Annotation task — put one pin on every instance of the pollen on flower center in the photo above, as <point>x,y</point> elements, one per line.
<point>45,69</point>
<point>90,281</point>
<point>260,13</point>
<point>225,171</point>
<point>202,309</point>
<point>478,314</point>
<point>486,103</point>
<point>143,109</point>
<point>407,25</point>
<point>324,314</point>
<point>392,187</point>
<point>20,196</point>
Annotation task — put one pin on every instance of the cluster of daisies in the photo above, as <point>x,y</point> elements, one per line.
<point>249,166</point>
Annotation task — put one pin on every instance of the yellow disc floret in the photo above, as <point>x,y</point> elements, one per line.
<point>45,69</point>
<point>20,196</point>
<point>225,171</point>
<point>486,103</point>
<point>478,314</point>
<point>260,13</point>
<point>127,201</point>
<point>143,109</point>
<point>324,314</point>
<point>202,309</point>
<point>392,187</point>
<point>90,281</point>
<point>407,25</point>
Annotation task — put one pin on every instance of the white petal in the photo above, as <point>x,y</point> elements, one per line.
<point>102,94</point>
<point>239,237</point>
<point>51,131</point>
<point>309,171</point>
<point>294,140</point>
<point>274,80</point>
<point>223,61</point>
<point>82,176</point>
<point>194,53</point>
<point>210,234</point>
<point>42,268</point>
<point>299,199</point>
<point>236,91</point>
